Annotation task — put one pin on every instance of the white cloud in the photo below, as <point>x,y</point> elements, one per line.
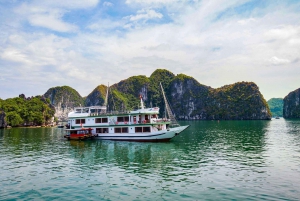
<point>145,14</point>
<point>15,56</point>
<point>107,4</point>
<point>105,25</point>
<point>52,22</point>
<point>151,1</point>
<point>69,4</point>
<point>246,21</point>
<point>283,32</point>
<point>49,13</point>
<point>276,61</point>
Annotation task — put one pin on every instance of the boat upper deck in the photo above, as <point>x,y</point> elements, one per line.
<point>101,111</point>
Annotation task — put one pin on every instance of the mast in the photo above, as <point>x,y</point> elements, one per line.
<point>106,98</point>
<point>142,103</point>
<point>168,109</point>
<point>105,102</point>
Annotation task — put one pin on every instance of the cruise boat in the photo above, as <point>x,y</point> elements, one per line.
<point>142,124</point>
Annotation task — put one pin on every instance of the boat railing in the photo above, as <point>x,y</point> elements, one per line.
<point>109,113</point>
<point>161,120</point>
<point>152,121</point>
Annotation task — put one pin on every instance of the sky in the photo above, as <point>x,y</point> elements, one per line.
<point>83,44</point>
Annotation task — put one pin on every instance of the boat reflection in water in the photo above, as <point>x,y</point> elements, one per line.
<point>126,155</point>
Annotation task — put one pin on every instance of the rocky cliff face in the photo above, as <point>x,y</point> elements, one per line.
<point>188,98</point>
<point>64,99</point>
<point>97,96</point>
<point>291,105</point>
<point>239,101</point>
<point>2,119</point>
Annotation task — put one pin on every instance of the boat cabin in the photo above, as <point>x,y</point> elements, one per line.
<point>79,134</point>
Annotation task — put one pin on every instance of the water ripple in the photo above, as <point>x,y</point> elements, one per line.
<point>227,160</point>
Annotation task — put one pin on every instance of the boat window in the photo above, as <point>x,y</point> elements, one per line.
<point>138,129</point>
<point>123,119</point>
<point>80,121</point>
<point>78,111</point>
<point>120,119</point>
<point>86,110</point>
<point>118,130</point>
<point>101,120</point>
<point>93,110</point>
<point>101,130</point>
<point>98,120</point>
<point>146,129</point>
<point>121,130</point>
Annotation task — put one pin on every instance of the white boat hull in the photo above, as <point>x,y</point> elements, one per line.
<point>163,135</point>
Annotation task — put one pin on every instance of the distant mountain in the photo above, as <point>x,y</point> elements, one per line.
<point>276,106</point>
<point>64,99</point>
<point>291,105</point>
<point>188,98</point>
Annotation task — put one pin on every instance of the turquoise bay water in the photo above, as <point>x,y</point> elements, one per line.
<point>226,160</point>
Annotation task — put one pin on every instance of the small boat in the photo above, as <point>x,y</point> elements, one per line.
<point>79,134</point>
<point>277,117</point>
<point>60,125</point>
<point>138,125</point>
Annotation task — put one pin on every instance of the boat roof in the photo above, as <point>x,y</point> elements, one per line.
<point>91,107</point>
<point>154,110</point>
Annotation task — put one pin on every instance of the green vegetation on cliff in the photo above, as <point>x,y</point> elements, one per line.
<point>154,93</point>
<point>64,95</point>
<point>188,98</point>
<point>125,94</point>
<point>276,106</point>
<point>291,105</point>
<point>31,111</point>
<point>241,100</point>
<point>96,97</point>
<point>192,100</point>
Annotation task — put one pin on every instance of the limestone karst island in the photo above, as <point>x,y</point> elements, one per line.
<point>189,99</point>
